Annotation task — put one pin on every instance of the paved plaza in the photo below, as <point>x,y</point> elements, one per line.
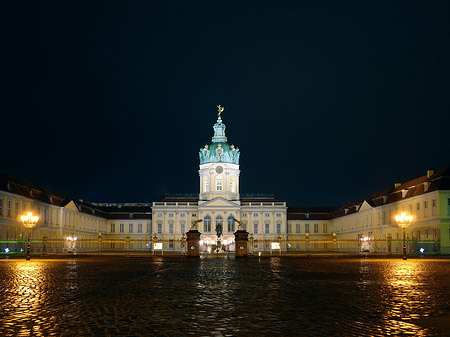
<point>120,296</point>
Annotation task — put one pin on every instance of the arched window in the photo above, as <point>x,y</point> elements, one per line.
<point>219,183</point>
<point>207,223</point>
<point>206,184</point>
<point>230,222</point>
<point>219,225</point>
<point>232,185</point>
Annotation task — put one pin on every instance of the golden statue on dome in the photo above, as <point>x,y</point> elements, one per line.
<point>220,108</point>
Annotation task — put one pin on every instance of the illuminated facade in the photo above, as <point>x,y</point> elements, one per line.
<point>367,225</point>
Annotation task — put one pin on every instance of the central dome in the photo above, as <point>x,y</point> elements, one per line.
<point>219,151</point>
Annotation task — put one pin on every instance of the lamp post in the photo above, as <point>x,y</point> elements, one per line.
<point>404,221</point>
<point>29,221</point>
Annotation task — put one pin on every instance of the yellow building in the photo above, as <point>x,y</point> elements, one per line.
<point>365,225</point>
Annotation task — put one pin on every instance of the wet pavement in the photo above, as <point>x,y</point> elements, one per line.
<point>225,297</point>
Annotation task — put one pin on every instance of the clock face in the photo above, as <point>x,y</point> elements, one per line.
<point>192,247</point>
<point>241,247</point>
<point>219,169</point>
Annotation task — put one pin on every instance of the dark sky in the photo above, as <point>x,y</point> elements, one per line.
<point>328,101</point>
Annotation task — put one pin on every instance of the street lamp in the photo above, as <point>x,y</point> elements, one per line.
<point>29,221</point>
<point>404,221</point>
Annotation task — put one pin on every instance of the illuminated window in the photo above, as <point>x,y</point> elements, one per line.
<point>113,228</point>
<point>207,224</point>
<point>219,184</point>
<point>230,222</point>
<point>206,185</point>
<point>255,227</point>
<point>121,228</point>
<point>278,228</point>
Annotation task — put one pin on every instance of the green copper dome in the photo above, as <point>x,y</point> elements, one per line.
<point>219,151</point>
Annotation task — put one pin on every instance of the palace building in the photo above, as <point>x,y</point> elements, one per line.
<point>365,225</point>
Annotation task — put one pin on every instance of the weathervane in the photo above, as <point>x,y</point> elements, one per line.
<point>220,108</point>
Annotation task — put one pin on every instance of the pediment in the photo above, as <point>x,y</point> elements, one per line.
<point>219,203</point>
<point>365,206</point>
<point>71,205</point>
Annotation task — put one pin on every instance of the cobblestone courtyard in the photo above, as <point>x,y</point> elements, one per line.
<point>219,297</point>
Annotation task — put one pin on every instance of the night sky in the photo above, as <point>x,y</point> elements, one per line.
<point>328,101</point>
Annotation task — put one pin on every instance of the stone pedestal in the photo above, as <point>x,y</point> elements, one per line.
<point>193,243</point>
<point>241,240</point>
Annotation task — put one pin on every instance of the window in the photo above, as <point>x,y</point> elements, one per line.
<point>425,204</point>
<point>159,227</point>
<point>194,215</point>
<point>170,215</point>
<point>170,227</point>
<point>1,207</point>
<point>289,228</point>
<point>219,184</point>
<point>297,228</point>
<point>171,244</point>
<point>148,228</point>
<point>182,215</point>
<point>113,228</point>
<point>390,216</point>
<point>255,215</point>
<point>316,228</point>
<point>267,228</point>
<point>45,213</point>
<point>159,215</point>
<point>121,228</point>
<point>433,203</point>
<point>219,222</point>
<point>16,208</point>
<point>306,227</point>
<point>384,217</point>
<point>306,215</point>
<point>278,215</point>
<point>139,228</point>
<point>244,224</point>
<point>207,224</point>
<point>130,228</point>
<point>325,228</point>
<point>130,216</point>
<point>266,215</point>
<point>232,185</point>
<point>278,227</point>
<point>230,222</point>
<point>244,215</point>
<point>182,227</point>
<point>8,209</point>
<point>206,184</point>
<point>418,206</point>
<point>255,227</point>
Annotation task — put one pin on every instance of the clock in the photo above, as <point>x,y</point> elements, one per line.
<point>219,169</point>
<point>241,247</point>
<point>192,247</point>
